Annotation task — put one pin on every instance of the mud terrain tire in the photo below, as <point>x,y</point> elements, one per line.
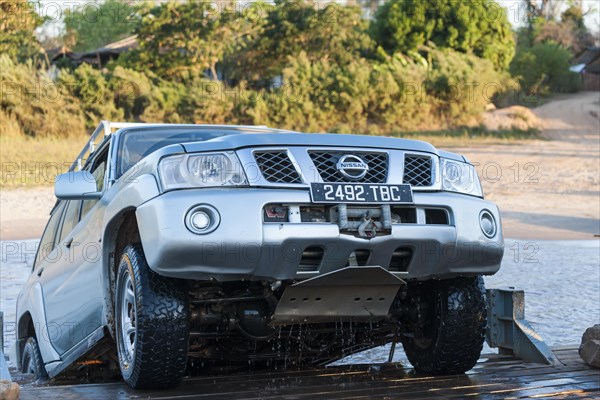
<point>152,324</point>
<point>452,344</point>
<point>31,360</point>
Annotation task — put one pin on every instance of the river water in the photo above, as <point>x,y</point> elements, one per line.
<point>561,280</point>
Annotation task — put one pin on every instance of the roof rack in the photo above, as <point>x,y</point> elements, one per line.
<point>105,129</point>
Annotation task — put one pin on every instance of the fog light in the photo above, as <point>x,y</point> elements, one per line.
<point>487,223</point>
<point>202,219</point>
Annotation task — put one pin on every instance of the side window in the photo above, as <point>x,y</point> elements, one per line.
<point>47,242</point>
<point>71,219</point>
<point>98,170</point>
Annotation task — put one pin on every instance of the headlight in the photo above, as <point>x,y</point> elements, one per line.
<point>201,170</point>
<point>460,177</point>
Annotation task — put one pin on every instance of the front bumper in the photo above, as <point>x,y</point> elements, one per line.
<point>245,247</point>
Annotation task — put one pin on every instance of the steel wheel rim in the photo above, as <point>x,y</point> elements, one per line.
<point>128,325</point>
<point>30,367</point>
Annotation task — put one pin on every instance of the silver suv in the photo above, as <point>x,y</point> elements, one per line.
<point>175,246</point>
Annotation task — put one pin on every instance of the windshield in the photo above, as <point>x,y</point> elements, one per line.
<point>136,144</point>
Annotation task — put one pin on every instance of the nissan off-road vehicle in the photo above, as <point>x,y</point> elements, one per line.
<point>178,246</point>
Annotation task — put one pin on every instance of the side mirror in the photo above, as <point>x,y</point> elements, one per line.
<point>76,185</point>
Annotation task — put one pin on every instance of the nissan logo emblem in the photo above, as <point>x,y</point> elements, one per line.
<point>352,167</point>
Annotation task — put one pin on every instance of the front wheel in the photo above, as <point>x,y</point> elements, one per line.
<point>152,326</point>
<point>449,334</point>
<point>31,360</point>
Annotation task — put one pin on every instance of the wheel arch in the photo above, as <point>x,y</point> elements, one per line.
<point>121,230</point>
<point>25,329</point>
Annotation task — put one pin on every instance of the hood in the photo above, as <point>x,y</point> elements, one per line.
<point>233,142</point>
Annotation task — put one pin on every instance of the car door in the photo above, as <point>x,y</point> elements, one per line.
<point>72,283</point>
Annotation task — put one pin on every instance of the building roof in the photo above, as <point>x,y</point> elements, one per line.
<point>93,56</point>
<point>587,60</point>
<point>129,43</point>
<point>593,67</point>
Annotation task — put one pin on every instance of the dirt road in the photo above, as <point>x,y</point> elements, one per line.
<point>546,189</point>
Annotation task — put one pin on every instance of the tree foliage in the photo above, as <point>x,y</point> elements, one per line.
<point>39,106</point>
<point>478,26</point>
<point>546,46</point>
<point>182,40</point>
<point>544,68</point>
<point>17,25</point>
<point>557,21</point>
<point>329,33</point>
<point>94,24</point>
<point>422,64</point>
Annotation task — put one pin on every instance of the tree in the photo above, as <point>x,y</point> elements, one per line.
<point>17,26</point>
<point>574,18</point>
<point>547,25</point>
<point>544,69</point>
<point>94,24</point>
<point>182,40</point>
<point>332,33</point>
<point>552,10</point>
<point>477,26</point>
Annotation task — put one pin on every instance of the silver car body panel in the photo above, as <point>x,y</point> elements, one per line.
<point>31,300</point>
<point>75,352</point>
<point>244,247</point>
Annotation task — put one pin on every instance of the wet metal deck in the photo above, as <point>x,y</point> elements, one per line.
<point>495,377</point>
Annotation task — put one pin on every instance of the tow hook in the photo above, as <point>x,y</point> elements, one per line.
<point>368,228</point>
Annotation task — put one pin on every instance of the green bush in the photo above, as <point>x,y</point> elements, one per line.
<point>40,106</point>
<point>462,85</point>
<point>208,102</point>
<point>17,25</point>
<point>543,69</point>
<point>477,26</point>
<point>378,97</point>
<point>441,90</point>
<point>91,88</point>
<point>145,98</point>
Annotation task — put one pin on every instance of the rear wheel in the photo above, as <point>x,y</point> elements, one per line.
<point>449,334</point>
<point>31,360</point>
<point>152,327</point>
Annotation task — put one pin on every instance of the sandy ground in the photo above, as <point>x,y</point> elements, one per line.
<point>546,189</point>
<point>24,212</point>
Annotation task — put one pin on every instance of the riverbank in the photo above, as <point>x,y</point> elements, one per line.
<point>548,189</point>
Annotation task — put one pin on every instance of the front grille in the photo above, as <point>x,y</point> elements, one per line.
<point>326,162</point>
<point>277,167</point>
<point>418,170</point>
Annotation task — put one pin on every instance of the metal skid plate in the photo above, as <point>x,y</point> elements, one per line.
<point>352,293</point>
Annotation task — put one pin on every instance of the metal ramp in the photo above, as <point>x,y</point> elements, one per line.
<point>510,332</point>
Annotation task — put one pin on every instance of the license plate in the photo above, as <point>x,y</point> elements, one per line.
<point>360,193</point>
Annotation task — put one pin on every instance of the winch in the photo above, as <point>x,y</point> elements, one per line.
<point>367,221</point>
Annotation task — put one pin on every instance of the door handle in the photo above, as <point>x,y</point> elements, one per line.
<point>68,243</point>
<point>39,273</point>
